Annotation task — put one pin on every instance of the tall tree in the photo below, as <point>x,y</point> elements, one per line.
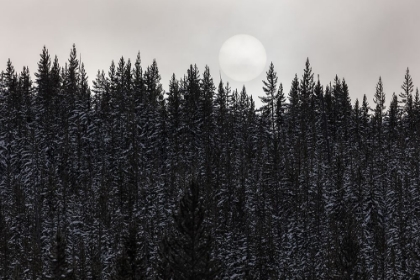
<point>407,87</point>
<point>270,99</point>
<point>379,100</point>
<point>187,252</point>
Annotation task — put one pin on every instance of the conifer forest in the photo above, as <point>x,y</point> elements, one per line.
<point>119,178</point>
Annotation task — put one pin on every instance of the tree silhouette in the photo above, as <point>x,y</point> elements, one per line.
<point>187,251</point>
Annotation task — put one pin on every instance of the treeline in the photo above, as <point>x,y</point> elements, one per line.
<point>127,181</point>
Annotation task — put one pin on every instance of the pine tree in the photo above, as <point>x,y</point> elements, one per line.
<point>393,120</point>
<point>407,88</point>
<point>270,99</point>
<point>293,106</point>
<point>174,130</point>
<point>379,100</point>
<point>152,83</point>
<point>192,116</point>
<point>206,104</point>
<point>187,252</point>
<point>138,83</point>
<point>71,81</point>
<point>43,81</point>
<point>306,89</point>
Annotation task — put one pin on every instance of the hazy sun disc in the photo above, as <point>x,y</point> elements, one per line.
<point>242,57</point>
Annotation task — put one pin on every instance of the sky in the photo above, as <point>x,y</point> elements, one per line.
<point>359,40</point>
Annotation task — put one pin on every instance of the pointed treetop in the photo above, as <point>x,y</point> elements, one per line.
<point>270,86</point>
<point>138,58</point>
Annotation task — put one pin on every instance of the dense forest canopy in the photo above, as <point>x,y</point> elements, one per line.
<point>126,181</point>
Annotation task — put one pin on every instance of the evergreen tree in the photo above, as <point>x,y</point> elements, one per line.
<point>306,89</point>
<point>43,81</point>
<point>152,84</point>
<point>393,120</point>
<point>187,252</point>
<point>407,87</point>
<point>208,90</point>
<point>379,100</point>
<point>305,188</point>
<point>270,99</point>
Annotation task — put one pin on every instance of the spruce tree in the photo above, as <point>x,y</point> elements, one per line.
<point>306,89</point>
<point>379,100</point>
<point>407,87</point>
<point>270,99</point>
<point>187,251</point>
<point>207,115</point>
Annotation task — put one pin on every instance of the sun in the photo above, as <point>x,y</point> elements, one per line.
<point>242,57</point>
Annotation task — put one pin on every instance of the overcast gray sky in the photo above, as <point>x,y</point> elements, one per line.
<point>359,40</point>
